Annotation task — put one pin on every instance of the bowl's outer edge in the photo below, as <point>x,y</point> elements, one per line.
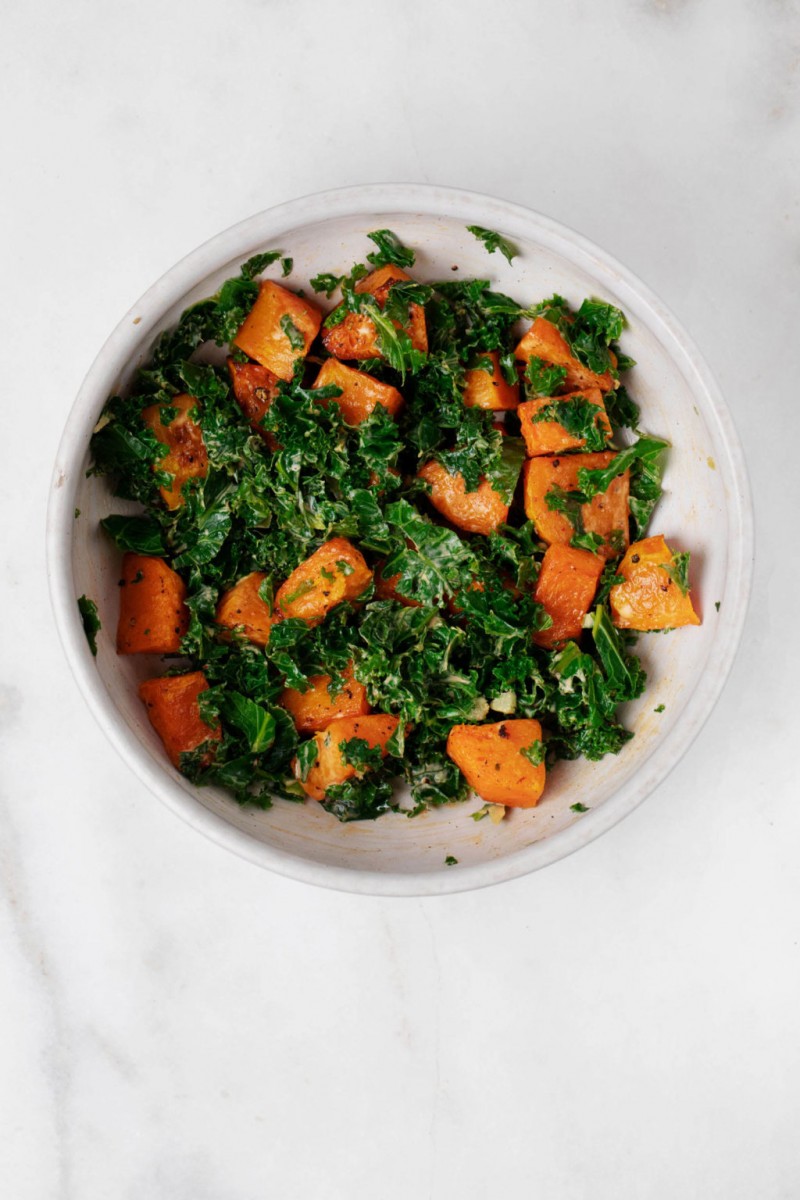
<point>475,208</point>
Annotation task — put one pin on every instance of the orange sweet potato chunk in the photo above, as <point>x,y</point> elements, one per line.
<point>152,614</point>
<point>174,713</point>
<point>566,586</point>
<point>490,758</point>
<point>550,437</point>
<point>255,388</point>
<point>335,572</point>
<point>650,598</point>
<point>361,393</point>
<point>186,458</point>
<point>313,710</point>
<point>481,511</point>
<point>330,767</point>
<point>242,608</point>
<point>606,514</point>
<point>544,341</point>
<point>263,337</point>
<point>489,389</point>
<point>356,336</point>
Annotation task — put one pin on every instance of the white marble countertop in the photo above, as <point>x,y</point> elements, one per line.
<point>176,1024</point>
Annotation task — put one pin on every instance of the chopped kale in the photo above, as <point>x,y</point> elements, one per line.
<point>579,417</point>
<point>91,622</point>
<point>494,241</point>
<point>678,571</point>
<point>543,379</point>
<point>390,250</point>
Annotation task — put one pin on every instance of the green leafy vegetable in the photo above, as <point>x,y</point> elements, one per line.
<point>678,571</point>
<point>254,721</point>
<point>390,250</point>
<point>645,459</point>
<point>579,417</point>
<point>543,379</point>
<point>624,674</point>
<point>326,283</point>
<point>359,754</point>
<point>596,327</point>
<point>534,753</point>
<point>141,535</point>
<point>91,622</point>
<point>494,241</point>
<point>259,262</point>
<point>622,412</point>
<point>307,753</point>
<point>296,339</point>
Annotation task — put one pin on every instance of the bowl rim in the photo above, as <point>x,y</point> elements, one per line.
<point>473,207</point>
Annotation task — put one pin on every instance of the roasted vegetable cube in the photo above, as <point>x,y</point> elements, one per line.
<point>655,594</point>
<point>500,762</point>
<point>551,437</point>
<point>313,710</point>
<point>186,458</point>
<point>489,389</point>
<point>254,388</point>
<point>543,340</point>
<point>481,511</point>
<point>565,588</point>
<point>175,714</point>
<point>356,336</point>
<point>153,617</point>
<point>605,514</point>
<point>361,393</point>
<point>242,608</point>
<point>279,329</point>
<point>335,572</point>
<point>330,766</point>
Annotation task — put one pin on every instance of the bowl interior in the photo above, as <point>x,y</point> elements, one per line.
<point>703,510</point>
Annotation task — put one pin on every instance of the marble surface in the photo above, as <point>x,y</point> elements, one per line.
<point>176,1024</point>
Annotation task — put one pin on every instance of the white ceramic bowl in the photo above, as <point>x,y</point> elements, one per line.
<point>706,509</point>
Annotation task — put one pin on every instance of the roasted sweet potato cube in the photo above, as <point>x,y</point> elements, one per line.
<point>550,437</point>
<point>330,766</point>
<point>606,514</point>
<point>651,596</point>
<point>152,614</point>
<point>489,389</point>
<point>565,588</point>
<point>543,340</point>
<point>356,336</point>
<point>313,710</point>
<point>186,458</point>
<point>335,572</point>
<point>174,713</point>
<point>278,319</point>
<point>361,393</point>
<point>481,511</point>
<point>492,761</point>
<point>254,388</point>
<point>242,608</point>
